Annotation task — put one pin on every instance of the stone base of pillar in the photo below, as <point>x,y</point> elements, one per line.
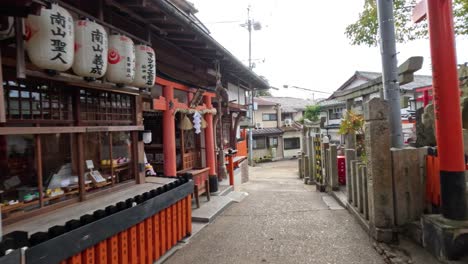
<point>445,239</point>
<point>213,183</point>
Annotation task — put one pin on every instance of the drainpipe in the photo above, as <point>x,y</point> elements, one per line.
<point>278,115</point>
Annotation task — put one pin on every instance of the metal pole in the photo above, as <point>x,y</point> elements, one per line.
<point>252,94</point>
<point>447,110</point>
<point>390,69</point>
<point>249,27</point>
<point>251,111</point>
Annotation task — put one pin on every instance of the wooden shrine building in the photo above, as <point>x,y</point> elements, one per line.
<point>80,88</point>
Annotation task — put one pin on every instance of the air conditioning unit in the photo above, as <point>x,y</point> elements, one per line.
<point>288,122</point>
<point>259,125</point>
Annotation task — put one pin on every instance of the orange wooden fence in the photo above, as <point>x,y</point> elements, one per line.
<point>144,243</point>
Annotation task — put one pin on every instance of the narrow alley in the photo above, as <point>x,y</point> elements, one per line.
<point>281,221</point>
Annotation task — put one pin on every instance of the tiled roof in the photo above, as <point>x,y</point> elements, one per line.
<point>290,104</point>
<point>419,82</point>
<point>262,101</point>
<point>331,102</point>
<point>267,131</point>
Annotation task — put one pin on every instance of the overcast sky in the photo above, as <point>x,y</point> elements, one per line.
<point>302,43</point>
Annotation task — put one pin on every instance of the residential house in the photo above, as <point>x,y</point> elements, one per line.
<point>333,108</point>
<point>278,133</point>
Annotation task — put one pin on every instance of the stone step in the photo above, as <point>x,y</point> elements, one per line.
<point>223,190</point>
<point>210,209</point>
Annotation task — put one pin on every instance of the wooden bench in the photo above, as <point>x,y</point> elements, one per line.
<point>200,177</point>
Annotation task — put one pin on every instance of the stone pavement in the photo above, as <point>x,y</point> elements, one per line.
<point>280,221</point>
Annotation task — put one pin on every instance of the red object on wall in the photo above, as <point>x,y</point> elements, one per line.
<point>341,169</point>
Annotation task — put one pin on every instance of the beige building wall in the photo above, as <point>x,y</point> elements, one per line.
<point>289,153</point>
<point>258,115</point>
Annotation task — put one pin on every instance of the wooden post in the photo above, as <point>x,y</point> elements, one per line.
<point>170,156</point>
<point>20,62</point>
<point>111,160</point>
<point>231,170</point>
<point>38,149</point>
<point>2,96</point>
<point>209,139</point>
<point>81,172</point>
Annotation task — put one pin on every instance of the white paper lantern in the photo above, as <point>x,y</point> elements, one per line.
<point>145,67</point>
<point>121,60</point>
<point>49,39</point>
<point>90,49</point>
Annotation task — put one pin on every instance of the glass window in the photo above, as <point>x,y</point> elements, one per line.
<point>269,117</point>
<point>285,116</point>
<point>292,143</point>
<point>122,155</point>
<point>259,143</point>
<point>110,155</point>
<point>272,142</point>
<point>59,167</point>
<point>18,178</point>
<point>34,100</point>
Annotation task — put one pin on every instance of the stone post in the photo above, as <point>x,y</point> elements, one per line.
<point>299,160</point>
<point>350,155</point>
<point>333,178</point>
<point>326,177</point>
<point>360,187</point>
<point>366,194</point>
<point>409,184</point>
<point>306,167</point>
<point>324,148</point>
<point>354,176</point>
<point>310,144</point>
<point>379,170</point>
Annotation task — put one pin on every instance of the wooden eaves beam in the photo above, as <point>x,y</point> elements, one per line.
<point>406,75</point>
<point>135,16</point>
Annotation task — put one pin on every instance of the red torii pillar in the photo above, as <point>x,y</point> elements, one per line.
<point>169,150</point>
<point>210,146</point>
<point>446,106</point>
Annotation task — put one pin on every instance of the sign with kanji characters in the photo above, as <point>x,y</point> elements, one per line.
<point>50,39</point>
<point>121,60</point>
<point>90,49</point>
<point>145,68</point>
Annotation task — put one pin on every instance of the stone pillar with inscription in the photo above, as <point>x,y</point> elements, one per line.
<point>379,169</point>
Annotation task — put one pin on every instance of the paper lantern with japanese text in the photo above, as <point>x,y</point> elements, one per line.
<point>145,66</point>
<point>121,60</point>
<point>90,49</point>
<point>50,39</point>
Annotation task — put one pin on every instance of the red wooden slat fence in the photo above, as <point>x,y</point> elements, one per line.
<point>144,243</point>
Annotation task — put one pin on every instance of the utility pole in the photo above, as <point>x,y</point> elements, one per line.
<point>252,93</point>
<point>390,69</point>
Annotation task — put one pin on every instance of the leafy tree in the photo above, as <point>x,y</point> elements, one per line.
<point>365,30</point>
<point>312,113</point>
<point>262,93</point>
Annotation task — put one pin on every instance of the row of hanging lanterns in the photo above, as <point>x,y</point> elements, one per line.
<point>55,42</point>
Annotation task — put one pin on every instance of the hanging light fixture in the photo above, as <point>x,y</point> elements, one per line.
<point>185,123</point>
